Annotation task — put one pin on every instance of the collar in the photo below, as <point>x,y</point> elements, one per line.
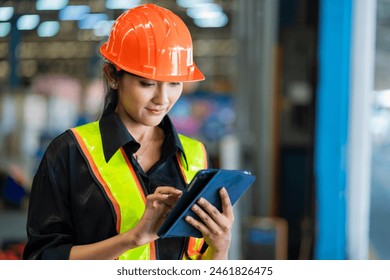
<point>115,135</point>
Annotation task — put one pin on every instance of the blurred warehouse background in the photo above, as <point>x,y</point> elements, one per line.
<point>268,82</point>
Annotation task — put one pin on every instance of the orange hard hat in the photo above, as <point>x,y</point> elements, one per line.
<point>154,43</point>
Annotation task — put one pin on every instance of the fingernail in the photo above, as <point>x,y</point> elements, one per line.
<point>200,200</point>
<point>187,218</point>
<point>194,207</point>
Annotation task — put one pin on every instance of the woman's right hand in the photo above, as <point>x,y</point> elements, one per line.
<point>157,207</point>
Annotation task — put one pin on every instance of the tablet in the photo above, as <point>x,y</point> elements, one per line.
<point>206,184</point>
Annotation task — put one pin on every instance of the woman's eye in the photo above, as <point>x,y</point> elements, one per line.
<point>175,84</point>
<point>146,84</point>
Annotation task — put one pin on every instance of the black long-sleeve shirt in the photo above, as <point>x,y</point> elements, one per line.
<point>67,206</point>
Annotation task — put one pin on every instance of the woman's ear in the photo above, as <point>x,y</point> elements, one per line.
<point>110,75</point>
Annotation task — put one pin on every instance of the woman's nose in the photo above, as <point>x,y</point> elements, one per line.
<point>161,96</point>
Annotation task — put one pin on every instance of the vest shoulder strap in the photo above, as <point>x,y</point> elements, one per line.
<point>193,159</point>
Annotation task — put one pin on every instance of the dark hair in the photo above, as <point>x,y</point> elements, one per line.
<point>111,98</point>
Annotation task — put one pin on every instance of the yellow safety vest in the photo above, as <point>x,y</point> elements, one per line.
<point>124,190</point>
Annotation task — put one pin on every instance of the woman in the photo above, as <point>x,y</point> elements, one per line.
<point>103,189</point>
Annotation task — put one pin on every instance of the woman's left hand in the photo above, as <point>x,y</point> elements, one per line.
<point>215,226</point>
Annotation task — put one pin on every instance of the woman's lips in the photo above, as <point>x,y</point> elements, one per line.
<point>155,111</point>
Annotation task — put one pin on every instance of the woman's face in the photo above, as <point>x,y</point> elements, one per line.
<point>144,101</point>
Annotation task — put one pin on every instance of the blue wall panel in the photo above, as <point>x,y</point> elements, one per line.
<point>332,127</point>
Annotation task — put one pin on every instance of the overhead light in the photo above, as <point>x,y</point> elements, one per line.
<point>5,28</point>
<point>103,28</point>
<point>207,14</point>
<point>121,5</point>
<point>90,20</point>
<point>74,12</point>
<point>27,22</point>
<point>6,13</point>
<point>209,10</point>
<point>48,28</point>
<point>51,4</point>
<point>220,21</point>
<point>192,3</point>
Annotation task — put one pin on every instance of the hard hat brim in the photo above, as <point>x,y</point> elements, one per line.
<point>195,75</point>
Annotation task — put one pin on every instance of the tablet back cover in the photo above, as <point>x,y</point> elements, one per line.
<point>236,183</point>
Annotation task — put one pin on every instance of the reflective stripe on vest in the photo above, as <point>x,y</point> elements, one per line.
<point>125,192</point>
